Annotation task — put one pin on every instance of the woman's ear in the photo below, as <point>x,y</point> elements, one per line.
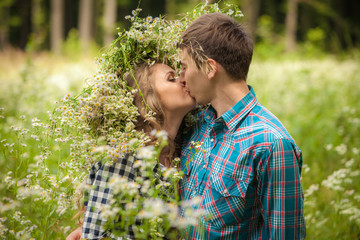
<point>211,68</point>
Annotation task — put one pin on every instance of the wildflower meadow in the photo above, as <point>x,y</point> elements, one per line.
<point>48,143</point>
<point>317,99</point>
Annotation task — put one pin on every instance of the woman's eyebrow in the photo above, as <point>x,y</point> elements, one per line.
<point>171,72</point>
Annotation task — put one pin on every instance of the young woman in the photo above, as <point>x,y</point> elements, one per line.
<point>167,97</point>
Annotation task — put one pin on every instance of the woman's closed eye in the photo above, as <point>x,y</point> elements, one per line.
<point>171,76</point>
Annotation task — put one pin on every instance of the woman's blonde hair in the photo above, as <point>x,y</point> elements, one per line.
<point>145,98</point>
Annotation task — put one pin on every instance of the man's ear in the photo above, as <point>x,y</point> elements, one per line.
<point>211,68</point>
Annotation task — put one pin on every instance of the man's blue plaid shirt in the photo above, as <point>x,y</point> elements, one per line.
<point>246,174</point>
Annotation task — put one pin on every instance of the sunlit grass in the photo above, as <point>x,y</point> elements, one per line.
<point>30,82</point>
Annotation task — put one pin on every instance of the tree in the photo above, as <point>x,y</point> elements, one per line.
<point>291,25</point>
<point>4,23</point>
<point>57,25</point>
<point>109,20</point>
<point>251,13</point>
<point>85,22</point>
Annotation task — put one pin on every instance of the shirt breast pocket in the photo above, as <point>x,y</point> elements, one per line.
<point>224,201</point>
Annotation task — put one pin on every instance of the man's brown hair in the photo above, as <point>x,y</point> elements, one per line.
<point>220,37</point>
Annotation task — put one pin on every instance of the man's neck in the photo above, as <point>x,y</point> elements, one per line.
<point>228,93</point>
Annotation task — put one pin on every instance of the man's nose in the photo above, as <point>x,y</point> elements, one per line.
<point>182,80</point>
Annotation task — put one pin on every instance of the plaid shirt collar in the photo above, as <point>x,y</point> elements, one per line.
<point>233,116</point>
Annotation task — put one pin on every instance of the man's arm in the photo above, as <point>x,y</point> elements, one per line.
<point>282,197</point>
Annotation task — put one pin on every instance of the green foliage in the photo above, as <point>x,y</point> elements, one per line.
<point>270,45</point>
<point>72,48</point>
<point>265,29</point>
<point>72,45</point>
<point>314,45</point>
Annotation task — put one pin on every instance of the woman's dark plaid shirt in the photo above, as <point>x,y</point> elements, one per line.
<point>99,194</point>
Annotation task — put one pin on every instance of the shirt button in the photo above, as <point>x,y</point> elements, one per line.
<point>225,191</point>
<point>208,117</point>
<point>211,139</point>
<point>219,120</point>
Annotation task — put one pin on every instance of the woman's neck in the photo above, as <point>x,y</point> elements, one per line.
<point>172,125</point>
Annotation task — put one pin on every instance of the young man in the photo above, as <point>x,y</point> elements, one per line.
<point>241,164</point>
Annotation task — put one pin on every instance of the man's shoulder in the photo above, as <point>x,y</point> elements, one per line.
<point>269,122</point>
<point>262,127</point>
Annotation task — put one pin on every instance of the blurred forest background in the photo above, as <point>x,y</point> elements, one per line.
<point>305,69</point>
<point>330,25</point>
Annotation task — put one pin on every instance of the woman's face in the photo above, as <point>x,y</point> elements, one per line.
<point>173,96</point>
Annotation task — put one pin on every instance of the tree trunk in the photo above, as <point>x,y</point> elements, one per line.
<point>109,20</point>
<point>57,25</point>
<point>251,14</point>
<point>4,28</point>
<point>291,25</point>
<point>85,22</point>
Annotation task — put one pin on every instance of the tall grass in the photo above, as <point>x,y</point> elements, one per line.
<point>316,99</point>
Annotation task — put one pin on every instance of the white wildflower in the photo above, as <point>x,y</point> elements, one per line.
<point>341,149</point>
<point>146,152</point>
